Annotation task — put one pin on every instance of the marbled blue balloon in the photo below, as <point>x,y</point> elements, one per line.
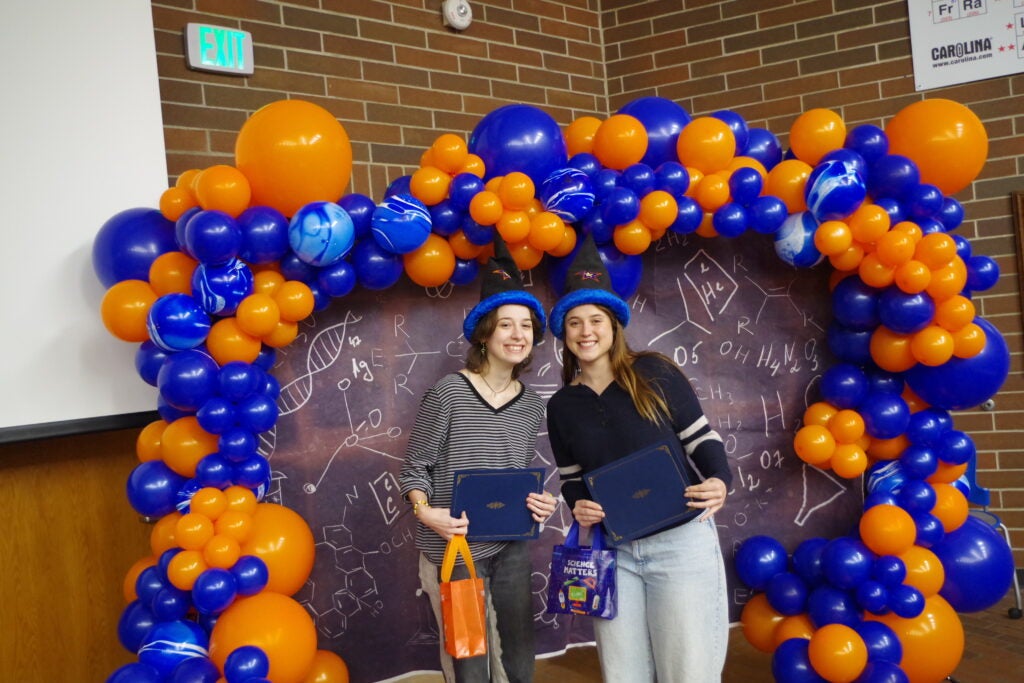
<point>219,289</point>
<point>169,643</point>
<point>834,190</point>
<point>568,194</point>
<point>794,242</point>
<point>401,223</point>
<point>321,233</point>
<point>177,322</point>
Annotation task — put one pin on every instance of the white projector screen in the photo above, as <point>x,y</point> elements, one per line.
<point>82,140</point>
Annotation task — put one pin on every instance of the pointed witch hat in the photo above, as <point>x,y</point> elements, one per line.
<point>502,284</point>
<point>587,282</point>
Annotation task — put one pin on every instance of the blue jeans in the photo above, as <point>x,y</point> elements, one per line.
<point>510,615</point>
<point>673,621</point>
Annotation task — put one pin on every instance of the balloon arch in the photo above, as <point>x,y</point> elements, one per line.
<point>218,278</point>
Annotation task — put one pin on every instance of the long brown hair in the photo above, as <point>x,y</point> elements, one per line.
<point>476,357</point>
<point>647,400</point>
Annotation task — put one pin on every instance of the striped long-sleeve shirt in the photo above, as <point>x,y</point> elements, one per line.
<point>455,429</point>
<point>588,430</point>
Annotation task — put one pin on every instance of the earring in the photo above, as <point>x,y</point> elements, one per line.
<point>483,348</point>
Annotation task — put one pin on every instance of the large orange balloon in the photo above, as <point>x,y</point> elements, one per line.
<point>327,668</point>
<point>815,133</point>
<point>432,263</point>
<point>293,152</point>
<point>707,144</point>
<point>620,141</point>
<point>887,529</point>
<point>124,309</point>
<point>837,653</point>
<point>933,641</point>
<point>283,540</point>
<point>933,132</point>
<point>276,624</point>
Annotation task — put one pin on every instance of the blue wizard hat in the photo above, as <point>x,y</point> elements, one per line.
<point>501,284</point>
<point>587,282</point>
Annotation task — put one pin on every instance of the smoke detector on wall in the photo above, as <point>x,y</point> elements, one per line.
<point>457,14</point>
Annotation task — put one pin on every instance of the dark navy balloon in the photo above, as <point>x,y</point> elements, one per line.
<point>568,194</point>
<point>148,359</point>
<point>359,208</point>
<point>177,322</point>
<point>738,125</point>
<point>400,224</point>
<point>321,233</point>
<point>892,176</point>
<point>905,313</point>
<point>855,304</point>
<point>766,214</point>
<point>672,177</point>
<point>764,146</point>
<point>220,288</point>
<point>264,234</point>
<point>376,268</point>
<point>869,141</point>
<point>463,188</point>
<point>213,236</point>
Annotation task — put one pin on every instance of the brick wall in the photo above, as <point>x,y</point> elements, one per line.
<point>397,78</point>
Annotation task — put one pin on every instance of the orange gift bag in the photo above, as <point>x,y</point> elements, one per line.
<point>462,605</point>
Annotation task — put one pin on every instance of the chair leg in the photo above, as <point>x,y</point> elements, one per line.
<point>1013,612</point>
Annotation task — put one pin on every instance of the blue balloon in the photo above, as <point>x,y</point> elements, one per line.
<point>217,415</point>
<point>196,670</point>
<point>844,385</point>
<point>604,181</point>
<point>148,359</point>
<point>737,125</point>
<point>171,642</point>
<point>873,597</point>
<point>519,137</point>
<point>638,177</point>
<point>978,563</point>
<point>257,413</point>
<point>962,383</point>
<point>620,206</point>
<point>446,218</point>
<point>834,190</point>
<point>625,270</point>
<point>266,358</point>
<point>465,271</point>
<point>663,120</point>
<point>807,561</point>
<point>168,412</point>
<point>927,426</point>
<point>321,233</point>
<point>688,217</point>
<point>849,346</point>
<point>127,244</point>
<point>918,461</point>
<point>745,185</point>
<point>264,234</point>
<point>869,141</point>
<point>567,193</point>
<point>586,162</point>
<point>883,381</point>
<point>882,672</point>
<point>787,593</point>
<point>399,185</point>
<point>375,267</point>
<point>251,574</point>
<point>855,304</point>
<point>463,188</point>
<point>758,559</point>
<point>885,476</point>
<point>905,601</point>
<point>730,220</point>
<point>170,604</point>
<point>213,236</point>
<point>916,495</point>
<point>152,488</point>
<point>252,471</point>
<point>183,499</point>
<point>929,528</point>
<point>829,605</point>
<point>893,208</point>
<point>892,176</point>
<point>672,177</point>
<point>134,623</point>
<point>359,208</point>
<point>955,447</point>
<point>179,230</point>
<point>794,242</point>
<point>246,663</point>
<point>480,235</point>
<point>889,570</point>
<point>337,279</point>
<point>188,379</point>
<point>148,583</point>
<point>846,562</point>
<point>135,672</point>
<point>791,663</point>
<point>764,146</point>
<point>214,470</point>
<point>237,444</point>
<point>238,380</point>
<point>850,158</point>
<point>220,288</point>
<point>951,215</point>
<point>982,273</point>
<point>881,641</point>
<point>885,415</point>
<point>905,313</point>
<point>294,268</point>
<point>767,214</point>
<point>401,224</point>
<point>923,201</point>
<point>214,590</point>
<point>177,322</point>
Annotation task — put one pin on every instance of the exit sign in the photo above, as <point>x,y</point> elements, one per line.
<point>218,49</point>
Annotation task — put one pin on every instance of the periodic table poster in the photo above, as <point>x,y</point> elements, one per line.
<point>958,41</point>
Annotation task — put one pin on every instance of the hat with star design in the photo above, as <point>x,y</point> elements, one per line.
<point>502,283</point>
<point>587,282</point>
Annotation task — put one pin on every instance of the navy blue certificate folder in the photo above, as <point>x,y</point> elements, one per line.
<point>495,502</point>
<point>641,493</point>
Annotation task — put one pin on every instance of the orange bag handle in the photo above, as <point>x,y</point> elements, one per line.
<point>456,546</point>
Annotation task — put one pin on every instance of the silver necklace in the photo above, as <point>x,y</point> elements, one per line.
<point>493,391</point>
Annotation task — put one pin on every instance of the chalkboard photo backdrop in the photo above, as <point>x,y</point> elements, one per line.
<point>746,328</point>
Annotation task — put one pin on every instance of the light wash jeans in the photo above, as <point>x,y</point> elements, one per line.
<point>673,621</point>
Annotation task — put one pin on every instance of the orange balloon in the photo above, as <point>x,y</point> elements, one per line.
<point>241,499</point>
<point>935,250</point>
<point>567,244</point>
<point>276,624</point>
<point>894,248</point>
<point>887,449</point>
<point>848,260</point>
<point>934,131</point>
<point>282,539</point>
<point>147,444</point>
<point>516,190</point>
<point>258,314</point>
<point>228,342</point>
<point>284,333</point>
<point>222,551</point>
<point>815,133</point>
<point>185,443</point>
<point>620,141</point>
<point>787,181</point>
<point>968,341</point>
<point>174,201</point>
<point>187,180</point>
<point>814,444</point>
<point>327,667</point>
<point>208,501</point>
<point>525,255</point>
<point>707,144</point>
<point>431,264</point>
<point>796,626</point>
<point>924,570</point>
<point>875,273</point>
<point>869,222</point>
<point>485,207</point>
<point>513,226</point>
<point>946,473</point>
<point>632,238</point>
<point>933,641</point>
<point>707,226</point>
<point>948,281</point>
<point>193,530</point>
<point>955,312</point>
<point>819,413</point>
<point>267,282</point>
<point>429,184</point>
<point>912,277</point>
<point>184,568</point>
<point>125,307</point>
<point>932,346</point>
<point>293,152</point>
<point>891,350</point>
<point>295,300</point>
<point>658,210</point>
<point>172,273</point>
<point>579,135</point>
<point>950,506</point>
<point>474,165</point>
<point>234,524</point>
<point>849,460</point>
<point>747,162</point>
<point>223,188</point>
<point>833,237</point>
<point>132,576</point>
<point>712,192</point>
<point>887,529</point>
<point>161,536</point>
<point>449,152</point>
<point>847,426</point>
<point>462,247</point>
<point>546,231</point>
<point>759,621</point>
<point>837,653</point>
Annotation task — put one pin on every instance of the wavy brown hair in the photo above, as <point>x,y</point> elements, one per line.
<point>476,357</point>
<point>647,399</point>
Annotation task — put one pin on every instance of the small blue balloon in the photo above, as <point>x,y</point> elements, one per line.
<point>892,176</point>
<point>401,224</point>
<point>918,461</point>
<point>237,444</point>
<point>252,471</point>
<point>855,304</point>
<point>927,426</point>
<point>869,141</point>
<point>214,470</point>
<point>892,207</point>
<point>730,220</point>
<point>446,218</point>
<point>791,663</point>
<point>196,670</point>
<point>955,447</point>
<point>148,583</point>
<point>844,385</point>
<point>916,495</point>
<point>873,596</point>
<point>807,561</point>
<point>264,234</point>
<point>179,230</point>
<point>321,233</point>
<point>463,188</point>
<point>951,215</point>
<point>257,413</point>
<point>593,224</point>
<point>294,268</point>
<point>399,185</point>
<point>663,120</point>
<point>850,158</point>
<point>923,201</point>
<point>764,146</point>
<point>170,604</point>
<point>758,559</point>
<point>465,271</point>
<point>376,268</point>
<point>171,642</point>
<point>217,415</point>
<point>834,190</point>
<point>169,413</point>
<point>982,273</point>
<point>929,529</point>
<point>177,322</point>
<point>767,214</point>
<point>251,574</point>
<point>889,570</point>
<point>829,605</point>
<point>905,313</point>
<point>886,416</point>
<point>787,593</point>
<point>214,590</point>
<point>480,235</point>
<point>134,623</point>
<point>220,288</point>
<point>847,562</point>
<point>213,236</point>
<point>688,217</point>
<point>849,346</point>
<point>567,193</point>
<point>906,601</point>
<point>794,242</point>
<point>135,672</point>
<point>882,672</point>
<point>625,270</point>
<point>603,182</point>
<point>127,244</point>
<point>359,208</point>
<point>246,663</point>
<point>188,379</point>
<point>639,178</point>
<point>881,641</point>
<point>620,206</point>
<point>745,185</point>
<point>586,162</point>
<point>672,177</point>
<point>148,359</point>
<point>337,279</point>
